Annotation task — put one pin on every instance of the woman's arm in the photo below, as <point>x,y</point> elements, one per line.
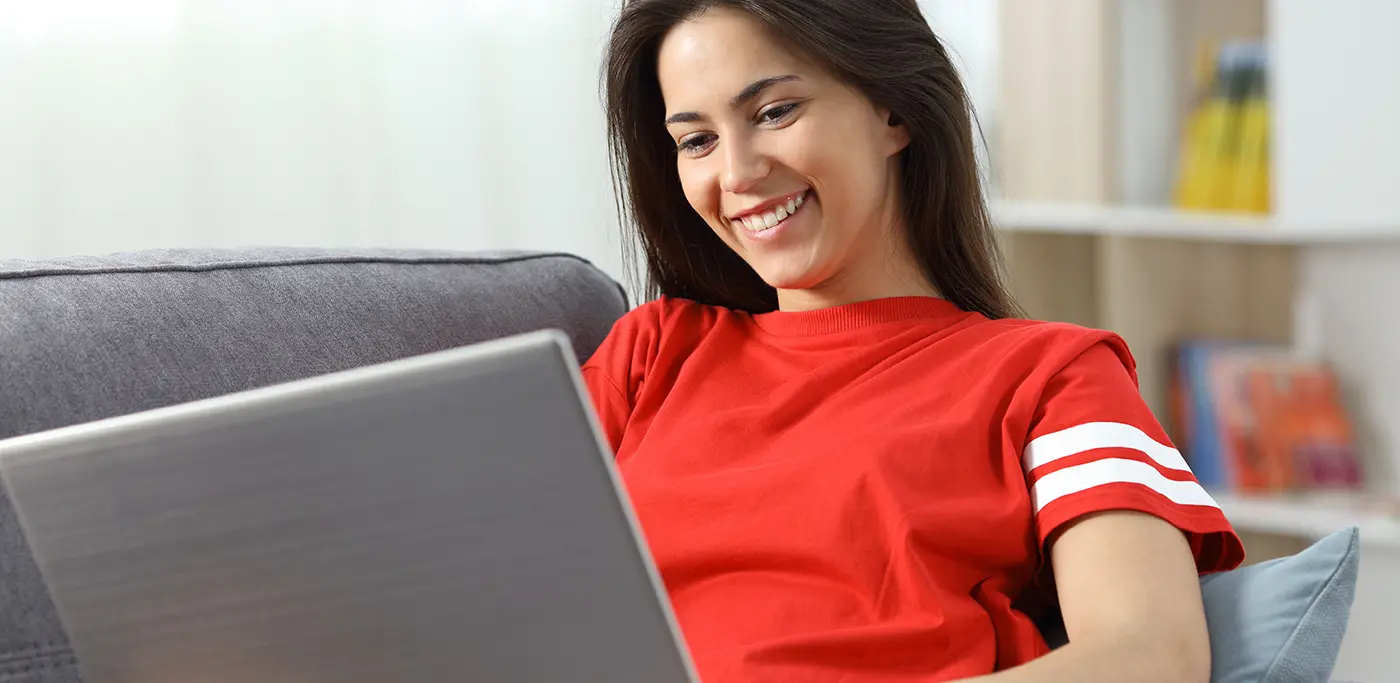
<point>1131,600</point>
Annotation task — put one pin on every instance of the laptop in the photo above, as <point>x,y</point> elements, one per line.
<point>448,517</point>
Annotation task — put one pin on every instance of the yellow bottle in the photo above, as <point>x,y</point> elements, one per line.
<point>1204,176</point>
<point>1251,161</point>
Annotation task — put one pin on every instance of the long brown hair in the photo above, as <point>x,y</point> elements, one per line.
<point>885,49</point>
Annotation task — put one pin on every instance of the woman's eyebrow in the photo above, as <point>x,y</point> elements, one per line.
<point>757,87</point>
<point>749,92</point>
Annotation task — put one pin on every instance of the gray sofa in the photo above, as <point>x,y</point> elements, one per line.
<point>87,338</point>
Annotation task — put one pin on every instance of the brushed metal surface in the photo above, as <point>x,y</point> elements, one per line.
<point>445,518</point>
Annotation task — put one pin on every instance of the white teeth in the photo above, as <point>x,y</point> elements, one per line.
<point>767,221</point>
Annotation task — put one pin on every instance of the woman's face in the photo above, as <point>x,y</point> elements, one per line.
<point>795,171</point>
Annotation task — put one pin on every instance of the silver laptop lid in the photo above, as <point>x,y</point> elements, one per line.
<point>451,517</point>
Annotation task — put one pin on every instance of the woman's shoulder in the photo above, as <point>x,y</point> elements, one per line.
<point>667,312</point>
<point>1052,345</point>
<point>665,321</point>
<point>665,307</point>
<point>660,333</point>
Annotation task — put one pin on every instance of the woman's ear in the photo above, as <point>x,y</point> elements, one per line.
<point>896,132</point>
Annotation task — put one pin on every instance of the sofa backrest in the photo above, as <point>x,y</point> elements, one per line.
<point>83,339</point>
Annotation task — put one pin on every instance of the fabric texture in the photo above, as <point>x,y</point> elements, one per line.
<point>1282,621</point>
<point>863,492</point>
<point>87,338</point>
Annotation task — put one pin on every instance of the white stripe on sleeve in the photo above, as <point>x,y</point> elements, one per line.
<point>1095,435</point>
<point>1079,478</point>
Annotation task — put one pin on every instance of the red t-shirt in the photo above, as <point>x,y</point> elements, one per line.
<point>860,493</point>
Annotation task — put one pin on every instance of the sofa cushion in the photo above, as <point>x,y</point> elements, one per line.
<point>1282,621</point>
<point>88,338</point>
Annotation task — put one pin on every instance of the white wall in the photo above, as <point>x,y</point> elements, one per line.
<point>155,123</point>
<point>1336,100</point>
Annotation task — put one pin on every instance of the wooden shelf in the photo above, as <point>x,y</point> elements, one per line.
<point>1169,223</point>
<point>1309,517</point>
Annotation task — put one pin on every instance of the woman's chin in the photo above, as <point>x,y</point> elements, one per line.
<point>789,278</point>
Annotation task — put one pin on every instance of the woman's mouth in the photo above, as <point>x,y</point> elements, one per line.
<point>774,217</point>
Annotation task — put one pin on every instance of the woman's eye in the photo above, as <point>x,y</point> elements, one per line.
<point>776,114</point>
<point>694,143</point>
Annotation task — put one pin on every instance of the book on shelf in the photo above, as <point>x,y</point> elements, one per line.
<point>1224,162</point>
<point>1256,418</point>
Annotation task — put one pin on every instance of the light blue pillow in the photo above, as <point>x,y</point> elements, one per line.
<point>1282,621</point>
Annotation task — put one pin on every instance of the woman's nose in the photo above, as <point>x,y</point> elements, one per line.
<point>744,166</point>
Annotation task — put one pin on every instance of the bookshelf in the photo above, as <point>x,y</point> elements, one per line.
<point>1084,145</point>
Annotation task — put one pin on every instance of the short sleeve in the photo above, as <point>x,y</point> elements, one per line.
<point>1095,446</point>
<point>614,373</point>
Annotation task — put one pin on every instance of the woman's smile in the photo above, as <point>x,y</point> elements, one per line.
<point>766,222</point>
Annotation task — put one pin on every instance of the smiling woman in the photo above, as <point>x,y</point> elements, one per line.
<point>851,461</point>
<point>770,143</point>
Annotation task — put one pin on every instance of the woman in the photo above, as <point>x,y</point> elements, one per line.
<point>852,463</point>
